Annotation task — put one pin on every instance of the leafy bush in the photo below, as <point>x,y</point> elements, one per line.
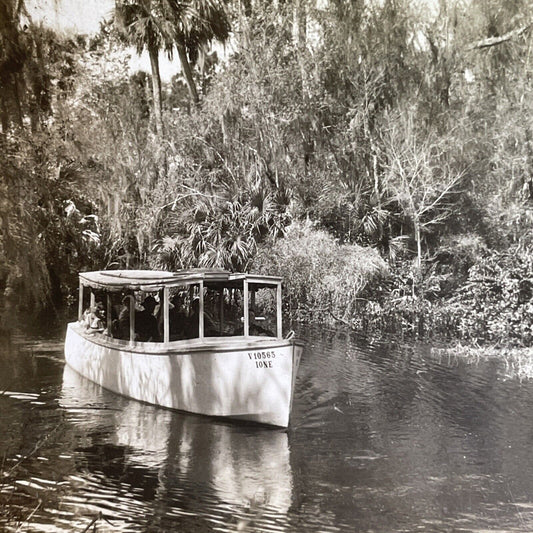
<point>495,304</point>
<point>322,278</point>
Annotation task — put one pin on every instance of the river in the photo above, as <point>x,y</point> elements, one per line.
<point>384,437</point>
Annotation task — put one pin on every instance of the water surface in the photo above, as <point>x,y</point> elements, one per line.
<point>383,438</point>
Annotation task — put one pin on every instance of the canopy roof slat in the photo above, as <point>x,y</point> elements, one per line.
<point>154,280</point>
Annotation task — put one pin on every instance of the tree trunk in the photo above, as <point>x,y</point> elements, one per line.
<point>34,115</point>
<point>4,117</point>
<point>300,22</point>
<point>418,238</point>
<point>187,72</point>
<point>16,97</point>
<point>156,89</point>
<point>300,27</point>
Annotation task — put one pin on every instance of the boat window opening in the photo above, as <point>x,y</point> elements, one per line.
<point>236,310</point>
<point>213,317</point>
<point>119,305</point>
<point>113,308</point>
<point>178,313</point>
<point>223,309</point>
<point>262,310</point>
<point>219,316</point>
<point>183,313</point>
<point>148,316</point>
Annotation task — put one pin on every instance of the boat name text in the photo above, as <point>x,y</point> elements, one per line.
<point>262,359</point>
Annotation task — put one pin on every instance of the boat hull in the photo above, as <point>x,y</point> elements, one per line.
<point>248,379</point>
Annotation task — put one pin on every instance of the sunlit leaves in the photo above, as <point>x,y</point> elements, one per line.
<point>322,277</point>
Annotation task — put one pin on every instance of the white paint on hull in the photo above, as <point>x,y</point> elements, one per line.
<point>249,379</point>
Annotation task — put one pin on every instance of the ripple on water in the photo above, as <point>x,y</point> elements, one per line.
<point>384,437</point>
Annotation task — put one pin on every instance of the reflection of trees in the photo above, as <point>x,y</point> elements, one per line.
<point>112,461</point>
<point>30,432</point>
<point>390,438</point>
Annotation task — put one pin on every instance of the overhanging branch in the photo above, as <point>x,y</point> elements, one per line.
<point>493,41</point>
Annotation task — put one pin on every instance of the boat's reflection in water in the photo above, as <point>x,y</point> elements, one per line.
<point>215,470</point>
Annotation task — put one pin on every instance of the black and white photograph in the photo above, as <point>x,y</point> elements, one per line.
<point>266,266</point>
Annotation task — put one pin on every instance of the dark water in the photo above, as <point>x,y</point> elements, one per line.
<point>383,439</point>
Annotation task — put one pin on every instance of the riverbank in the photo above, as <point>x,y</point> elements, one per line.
<point>471,298</point>
<point>476,297</point>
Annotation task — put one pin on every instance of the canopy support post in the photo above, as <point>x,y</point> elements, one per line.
<point>132,318</point>
<point>246,304</point>
<point>278,311</point>
<point>109,313</point>
<point>221,328</point>
<point>166,326</point>
<point>80,301</point>
<point>201,310</point>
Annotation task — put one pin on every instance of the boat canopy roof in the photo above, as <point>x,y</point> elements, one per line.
<point>153,280</point>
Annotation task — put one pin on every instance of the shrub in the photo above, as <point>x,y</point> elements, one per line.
<point>495,304</point>
<point>322,278</point>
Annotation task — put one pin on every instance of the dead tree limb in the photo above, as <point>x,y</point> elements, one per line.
<point>341,320</point>
<point>493,41</point>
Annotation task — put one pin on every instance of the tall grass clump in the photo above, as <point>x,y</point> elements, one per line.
<point>324,280</point>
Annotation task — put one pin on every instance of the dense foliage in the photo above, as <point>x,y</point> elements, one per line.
<point>378,154</point>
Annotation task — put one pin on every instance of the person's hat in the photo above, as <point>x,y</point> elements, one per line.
<point>149,301</point>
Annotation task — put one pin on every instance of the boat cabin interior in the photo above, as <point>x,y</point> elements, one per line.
<point>158,306</point>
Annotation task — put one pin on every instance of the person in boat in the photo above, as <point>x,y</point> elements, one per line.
<point>94,317</point>
<point>192,326</point>
<point>85,319</point>
<point>159,314</point>
<point>146,328</point>
<point>177,317</point>
<point>121,326</point>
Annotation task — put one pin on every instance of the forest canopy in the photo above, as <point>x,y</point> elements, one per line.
<point>384,146</point>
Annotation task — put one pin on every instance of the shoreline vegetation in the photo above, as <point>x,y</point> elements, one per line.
<point>376,155</point>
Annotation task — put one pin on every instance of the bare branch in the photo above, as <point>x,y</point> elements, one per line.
<point>493,41</point>
<point>447,190</point>
<point>28,518</point>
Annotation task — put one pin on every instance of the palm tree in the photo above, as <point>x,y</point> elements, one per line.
<point>198,23</point>
<point>155,25</point>
<point>147,24</point>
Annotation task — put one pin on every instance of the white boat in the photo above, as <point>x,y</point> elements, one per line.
<point>217,348</point>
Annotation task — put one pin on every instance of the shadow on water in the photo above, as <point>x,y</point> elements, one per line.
<point>383,437</point>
